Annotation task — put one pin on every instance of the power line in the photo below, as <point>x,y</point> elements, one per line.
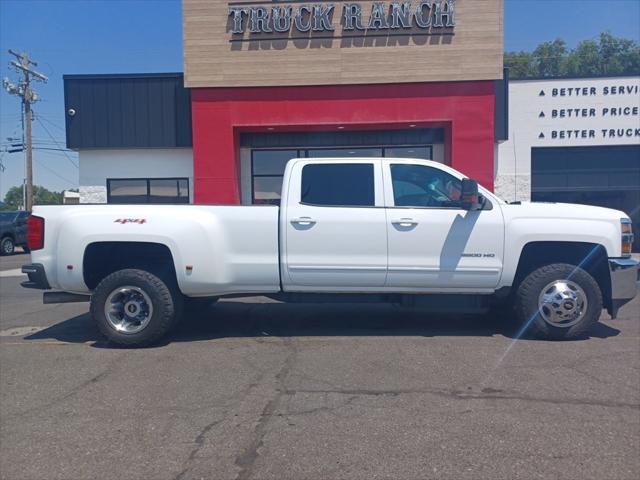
<point>15,132</point>
<point>35,140</point>
<point>56,142</point>
<point>51,123</point>
<point>61,150</point>
<point>70,182</point>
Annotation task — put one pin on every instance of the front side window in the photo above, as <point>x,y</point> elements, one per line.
<point>343,184</point>
<point>423,186</point>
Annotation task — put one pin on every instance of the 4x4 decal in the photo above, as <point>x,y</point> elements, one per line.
<point>131,220</point>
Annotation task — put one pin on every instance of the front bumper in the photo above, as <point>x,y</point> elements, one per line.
<point>624,282</point>
<point>37,277</point>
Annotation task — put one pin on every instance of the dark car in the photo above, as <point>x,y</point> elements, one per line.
<point>13,231</point>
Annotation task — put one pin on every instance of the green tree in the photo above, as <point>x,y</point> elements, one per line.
<point>618,56</point>
<point>584,60</point>
<point>520,64</point>
<point>608,55</point>
<point>41,196</point>
<point>549,59</point>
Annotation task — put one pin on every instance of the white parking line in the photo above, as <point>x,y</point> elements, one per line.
<point>20,331</point>
<point>16,272</point>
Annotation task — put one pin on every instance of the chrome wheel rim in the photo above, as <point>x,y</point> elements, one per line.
<point>562,303</point>
<point>128,309</point>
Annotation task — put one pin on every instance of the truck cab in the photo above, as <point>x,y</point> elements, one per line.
<point>395,225</point>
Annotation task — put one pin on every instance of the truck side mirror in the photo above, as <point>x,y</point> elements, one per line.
<point>469,195</point>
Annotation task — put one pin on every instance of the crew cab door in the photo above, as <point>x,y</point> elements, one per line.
<point>333,226</point>
<point>434,244</point>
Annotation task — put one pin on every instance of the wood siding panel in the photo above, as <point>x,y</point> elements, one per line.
<point>473,50</point>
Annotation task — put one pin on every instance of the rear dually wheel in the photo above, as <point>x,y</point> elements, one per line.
<point>134,307</point>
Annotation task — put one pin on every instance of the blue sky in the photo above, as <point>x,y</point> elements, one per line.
<point>118,36</point>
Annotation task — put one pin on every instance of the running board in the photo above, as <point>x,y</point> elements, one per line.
<point>64,297</point>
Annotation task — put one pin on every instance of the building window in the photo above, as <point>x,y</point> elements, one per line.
<point>267,170</point>
<point>148,190</point>
<point>424,152</point>
<point>338,184</point>
<point>344,152</point>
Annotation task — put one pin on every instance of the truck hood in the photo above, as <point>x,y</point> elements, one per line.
<point>572,211</point>
<point>563,222</point>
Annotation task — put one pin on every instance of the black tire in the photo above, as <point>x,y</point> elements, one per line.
<point>26,249</point>
<point>7,246</point>
<point>529,291</point>
<point>165,299</point>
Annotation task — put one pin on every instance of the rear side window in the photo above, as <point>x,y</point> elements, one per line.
<point>343,184</point>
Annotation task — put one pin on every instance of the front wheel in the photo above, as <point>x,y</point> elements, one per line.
<point>7,246</point>
<point>559,302</point>
<point>134,307</point>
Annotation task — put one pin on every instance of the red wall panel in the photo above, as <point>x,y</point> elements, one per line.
<point>465,109</point>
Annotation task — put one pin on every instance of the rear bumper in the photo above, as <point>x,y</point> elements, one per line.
<point>624,282</point>
<point>37,277</point>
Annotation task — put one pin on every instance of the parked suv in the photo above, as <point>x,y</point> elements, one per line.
<point>13,231</point>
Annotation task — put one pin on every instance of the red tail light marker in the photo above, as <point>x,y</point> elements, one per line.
<point>35,232</point>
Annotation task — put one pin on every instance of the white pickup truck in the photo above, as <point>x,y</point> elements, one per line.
<point>408,231</point>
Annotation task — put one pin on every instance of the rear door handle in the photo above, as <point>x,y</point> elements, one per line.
<point>303,221</point>
<point>405,222</point>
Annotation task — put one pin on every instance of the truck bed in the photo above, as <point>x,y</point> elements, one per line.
<point>222,249</point>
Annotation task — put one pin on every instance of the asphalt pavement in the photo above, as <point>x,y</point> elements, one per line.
<point>257,389</point>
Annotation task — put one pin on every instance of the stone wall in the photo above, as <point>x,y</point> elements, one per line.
<point>512,188</point>
<point>93,194</point>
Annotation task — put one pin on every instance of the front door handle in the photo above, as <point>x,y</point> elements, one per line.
<point>405,222</point>
<point>303,221</point>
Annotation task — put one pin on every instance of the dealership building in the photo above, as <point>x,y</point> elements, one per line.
<point>268,81</point>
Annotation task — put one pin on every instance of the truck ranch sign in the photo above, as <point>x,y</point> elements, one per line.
<point>423,15</point>
<point>236,43</point>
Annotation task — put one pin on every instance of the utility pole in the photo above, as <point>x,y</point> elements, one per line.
<point>23,65</point>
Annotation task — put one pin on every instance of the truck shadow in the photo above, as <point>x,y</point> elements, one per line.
<point>232,319</point>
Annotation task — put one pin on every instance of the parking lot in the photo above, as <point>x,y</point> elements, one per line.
<point>257,389</point>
